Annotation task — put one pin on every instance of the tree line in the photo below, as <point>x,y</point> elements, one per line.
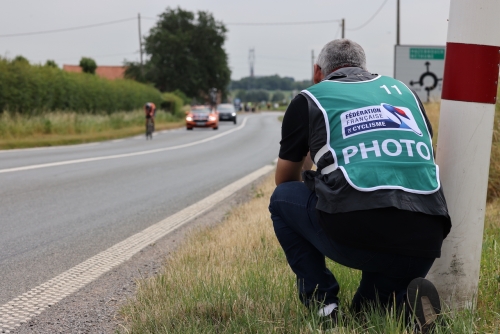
<point>272,82</point>
<point>184,55</point>
<point>259,95</point>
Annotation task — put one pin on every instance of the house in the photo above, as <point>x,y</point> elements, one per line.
<point>108,72</point>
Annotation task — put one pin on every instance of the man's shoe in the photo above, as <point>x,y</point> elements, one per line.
<point>328,310</point>
<point>329,315</point>
<point>423,300</point>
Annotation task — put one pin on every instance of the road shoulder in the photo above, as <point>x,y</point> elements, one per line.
<point>94,308</point>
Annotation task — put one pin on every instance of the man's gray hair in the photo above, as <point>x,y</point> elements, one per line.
<point>341,53</point>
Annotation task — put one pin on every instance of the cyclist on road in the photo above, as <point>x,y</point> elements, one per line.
<point>150,111</point>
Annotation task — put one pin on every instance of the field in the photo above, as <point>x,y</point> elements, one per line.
<point>62,128</point>
<point>234,278</point>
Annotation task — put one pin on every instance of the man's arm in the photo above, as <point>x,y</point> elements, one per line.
<point>308,163</point>
<point>294,142</point>
<point>287,171</point>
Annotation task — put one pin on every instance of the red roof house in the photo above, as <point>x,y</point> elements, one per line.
<point>108,72</point>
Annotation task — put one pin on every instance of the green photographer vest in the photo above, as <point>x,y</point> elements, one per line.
<point>377,135</point>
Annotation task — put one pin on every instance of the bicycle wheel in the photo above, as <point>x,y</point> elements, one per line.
<point>149,129</point>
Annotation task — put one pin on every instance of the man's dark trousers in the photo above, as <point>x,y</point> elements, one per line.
<point>385,277</point>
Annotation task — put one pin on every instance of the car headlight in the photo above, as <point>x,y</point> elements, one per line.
<point>233,114</point>
<point>212,118</point>
<point>189,118</point>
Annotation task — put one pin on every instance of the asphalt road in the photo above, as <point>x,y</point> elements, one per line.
<point>53,218</point>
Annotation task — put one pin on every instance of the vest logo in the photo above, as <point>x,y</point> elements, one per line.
<point>377,118</point>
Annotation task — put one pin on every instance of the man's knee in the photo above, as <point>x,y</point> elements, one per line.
<point>286,193</point>
<point>286,189</point>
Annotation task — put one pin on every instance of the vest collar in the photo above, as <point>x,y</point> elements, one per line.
<point>353,72</point>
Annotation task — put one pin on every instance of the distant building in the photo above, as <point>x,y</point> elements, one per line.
<point>108,72</point>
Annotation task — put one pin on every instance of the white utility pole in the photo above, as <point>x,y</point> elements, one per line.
<point>463,151</point>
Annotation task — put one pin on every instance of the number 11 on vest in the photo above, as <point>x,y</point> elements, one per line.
<point>393,86</point>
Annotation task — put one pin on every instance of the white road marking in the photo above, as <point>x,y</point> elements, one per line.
<point>117,140</point>
<point>31,303</point>
<point>125,155</point>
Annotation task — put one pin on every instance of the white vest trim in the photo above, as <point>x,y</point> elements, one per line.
<point>320,153</point>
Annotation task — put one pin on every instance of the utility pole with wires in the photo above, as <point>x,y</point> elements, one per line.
<point>343,28</point>
<point>251,61</point>
<point>397,22</point>
<point>140,41</point>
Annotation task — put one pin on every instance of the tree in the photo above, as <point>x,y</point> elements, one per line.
<point>51,63</point>
<point>183,96</point>
<point>186,53</point>
<point>241,94</point>
<point>135,71</point>
<point>271,82</point>
<point>278,96</point>
<point>21,60</point>
<point>88,65</point>
<point>257,95</point>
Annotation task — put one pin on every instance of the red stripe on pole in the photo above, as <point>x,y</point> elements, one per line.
<point>471,73</point>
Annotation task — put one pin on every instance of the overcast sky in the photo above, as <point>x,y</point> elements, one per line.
<point>283,50</point>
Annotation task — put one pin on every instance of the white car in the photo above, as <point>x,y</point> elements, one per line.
<point>226,112</point>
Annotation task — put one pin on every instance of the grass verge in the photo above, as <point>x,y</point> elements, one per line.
<point>63,128</point>
<point>234,278</point>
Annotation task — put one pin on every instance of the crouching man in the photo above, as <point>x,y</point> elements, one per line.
<point>374,203</point>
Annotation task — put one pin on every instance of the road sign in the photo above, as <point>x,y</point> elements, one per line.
<point>421,68</point>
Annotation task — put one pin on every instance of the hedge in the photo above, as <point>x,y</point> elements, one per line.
<point>32,89</point>
<point>172,103</point>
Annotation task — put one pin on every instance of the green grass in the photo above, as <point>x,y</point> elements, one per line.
<point>234,278</point>
<point>62,128</point>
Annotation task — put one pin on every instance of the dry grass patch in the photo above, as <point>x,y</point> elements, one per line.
<point>222,280</point>
<point>234,278</point>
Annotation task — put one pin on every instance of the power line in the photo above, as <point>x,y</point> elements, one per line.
<point>278,23</point>
<point>268,23</point>
<point>151,18</point>
<point>102,56</point>
<point>272,58</point>
<point>67,29</point>
<point>371,18</point>
<point>337,33</point>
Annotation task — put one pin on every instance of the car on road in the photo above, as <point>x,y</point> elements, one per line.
<point>202,117</point>
<point>227,112</point>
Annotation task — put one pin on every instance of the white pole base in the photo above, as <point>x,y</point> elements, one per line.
<point>463,156</point>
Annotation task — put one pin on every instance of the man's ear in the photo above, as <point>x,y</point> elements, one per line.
<point>318,76</point>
